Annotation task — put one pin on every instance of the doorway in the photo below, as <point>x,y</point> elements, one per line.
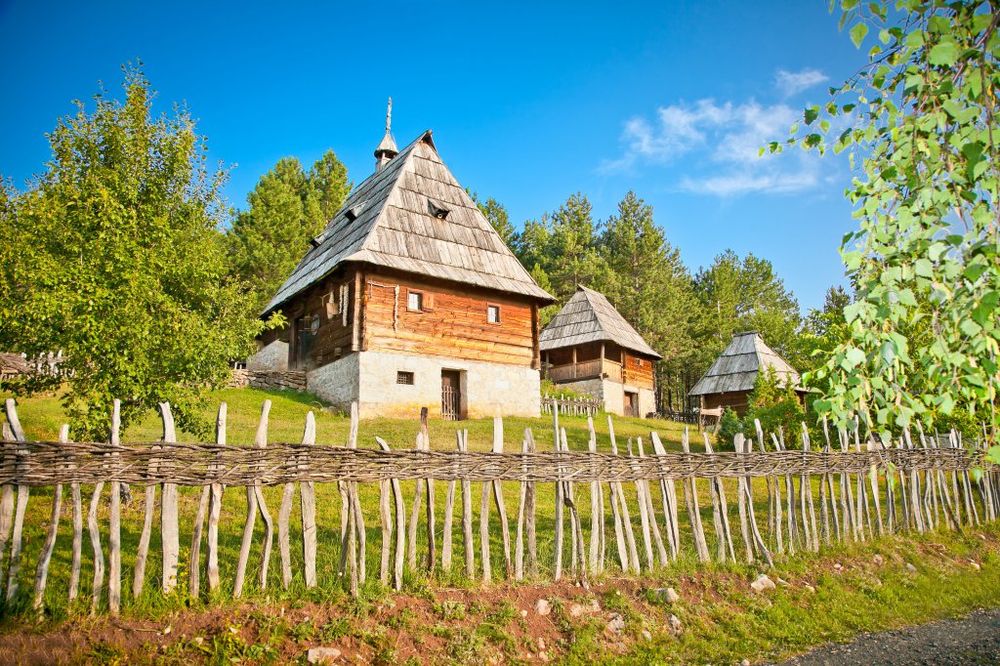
<point>631,403</point>
<point>451,395</point>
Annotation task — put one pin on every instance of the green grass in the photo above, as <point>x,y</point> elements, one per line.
<point>723,621</point>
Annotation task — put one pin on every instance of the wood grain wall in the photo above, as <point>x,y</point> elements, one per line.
<point>453,322</point>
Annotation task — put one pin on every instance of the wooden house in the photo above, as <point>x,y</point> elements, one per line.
<point>733,374</point>
<point>589,347</point>
<point>409,298</point>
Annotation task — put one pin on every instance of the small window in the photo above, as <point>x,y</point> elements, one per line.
<point>437,210</point>
<point>338,352</point>
<point>404,377</point>
<point>493,314</point>
<point>414,301</point>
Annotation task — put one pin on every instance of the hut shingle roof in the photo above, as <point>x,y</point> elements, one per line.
<point>395,226</point>
<point>13,364</point>
<point>737,367</point>
<point>589,317</point>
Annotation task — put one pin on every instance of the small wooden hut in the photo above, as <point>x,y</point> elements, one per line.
<point>733,374</point>
<point>410,298</point>
<point>590,348</point>
<point>13,365</point>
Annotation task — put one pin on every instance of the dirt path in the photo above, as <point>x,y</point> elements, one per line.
<point>974,639</point>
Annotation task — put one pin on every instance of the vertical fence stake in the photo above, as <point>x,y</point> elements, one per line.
<point>215,506</point>
<point>467,541</point>
<point>168,511</point>
<point>449,516</point>
<point>694,512</point>
<point>115,519</point>
<point>16,542</point>
<point>529,511</point>
<point>42,572</point>
<point>633,553</point>
<point>498,498</point>
<point>307,509</point>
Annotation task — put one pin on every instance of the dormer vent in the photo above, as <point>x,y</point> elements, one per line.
<point>354,211</point>
<point>437,210</point>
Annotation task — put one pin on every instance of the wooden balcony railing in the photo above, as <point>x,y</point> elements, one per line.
<point>585,370</point>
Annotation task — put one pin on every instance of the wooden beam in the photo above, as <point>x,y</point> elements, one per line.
<point>356,314</point>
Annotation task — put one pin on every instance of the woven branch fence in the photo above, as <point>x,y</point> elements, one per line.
<point>846,489</point>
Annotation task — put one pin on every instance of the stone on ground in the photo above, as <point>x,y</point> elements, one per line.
<point>543,607</point>
<point>762,583</point>
<point>322,655</point>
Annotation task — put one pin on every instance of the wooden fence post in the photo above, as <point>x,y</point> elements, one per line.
<point>694,512</point>
<point>215,506</point>
<point>168,511</point>
<point>115,518</point>
<point>397,496</point>
<point>720,513</point>
<point>42,572</point>
<point>307,509</point>
<point>498,498</point>
<point>626,519</point>
<point>449,515</point>
<point>16,543</point>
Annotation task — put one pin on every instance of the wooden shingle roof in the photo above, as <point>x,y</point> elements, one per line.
<point>737,367</point>
<point>392,219</point>
<point>589,317</point>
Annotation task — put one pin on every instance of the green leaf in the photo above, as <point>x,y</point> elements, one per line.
<point>944,54</point>
<point>811,113</point>
<point>993,455</point>
<point>858,33</point>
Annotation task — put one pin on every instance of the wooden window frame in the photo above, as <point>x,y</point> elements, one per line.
<point>405,378</point>
<point>499,320</point>
<point>420,296</point>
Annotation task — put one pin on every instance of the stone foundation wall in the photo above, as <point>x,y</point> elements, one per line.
<point>289,380</point>
<point>486,387</point>
<point>337,382</point>
<point>272,357</point>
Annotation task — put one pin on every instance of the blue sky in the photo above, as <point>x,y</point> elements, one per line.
<point>528,102</point>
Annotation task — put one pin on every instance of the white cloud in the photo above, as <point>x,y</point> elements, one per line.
<point>720,144</point>
<point>792,83</point>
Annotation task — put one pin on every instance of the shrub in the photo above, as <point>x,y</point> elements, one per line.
<point>729,425</point>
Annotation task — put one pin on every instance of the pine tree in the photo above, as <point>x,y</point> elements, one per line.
<point>650,286</point>
<point>328,180</point>
<point>287,208</point>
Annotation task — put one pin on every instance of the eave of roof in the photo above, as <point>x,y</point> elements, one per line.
<point>394,229</point>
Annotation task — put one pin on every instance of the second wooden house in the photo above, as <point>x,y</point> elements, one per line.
<point>409,298</point>
<point>590,348</point>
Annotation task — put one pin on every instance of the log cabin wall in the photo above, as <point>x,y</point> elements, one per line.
<point>638,371</point>
<point>326,301</point>
<point>452,322</point>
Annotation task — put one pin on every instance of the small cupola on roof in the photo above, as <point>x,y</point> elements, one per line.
<point>387,147</point>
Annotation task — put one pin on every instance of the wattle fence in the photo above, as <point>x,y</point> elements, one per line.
<point>571,406</point>
<point>864,488</point>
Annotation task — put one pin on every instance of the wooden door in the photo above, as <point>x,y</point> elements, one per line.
<point>631,404</point>
<point>451,395</point>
